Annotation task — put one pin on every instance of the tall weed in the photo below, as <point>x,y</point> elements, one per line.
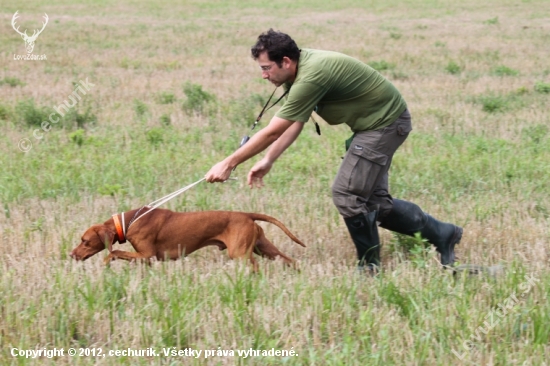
<point>197,98</point>
<point>31,115</point>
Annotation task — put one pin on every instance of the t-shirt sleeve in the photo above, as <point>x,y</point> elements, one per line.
<point>300,102</point>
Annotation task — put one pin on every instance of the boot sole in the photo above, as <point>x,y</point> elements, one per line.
<point>457,237</point>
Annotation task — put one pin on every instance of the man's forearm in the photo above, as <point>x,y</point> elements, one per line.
<point>257,143</point>
<point>283,142</point>
<point>260,141</point>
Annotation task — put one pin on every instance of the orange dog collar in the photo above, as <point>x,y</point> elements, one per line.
<point>119,229</point>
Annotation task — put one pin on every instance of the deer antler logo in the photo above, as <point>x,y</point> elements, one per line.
<point>29,40</point>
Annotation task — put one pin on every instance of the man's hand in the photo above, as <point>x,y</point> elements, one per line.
<point>258,171</point>
<point>219,172</point>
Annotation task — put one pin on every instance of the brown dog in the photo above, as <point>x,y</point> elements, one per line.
<point>165,234</point>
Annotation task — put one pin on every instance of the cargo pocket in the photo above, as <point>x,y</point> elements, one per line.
<point>367,166</point>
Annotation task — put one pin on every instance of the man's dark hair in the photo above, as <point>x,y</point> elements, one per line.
<point>277,45</point>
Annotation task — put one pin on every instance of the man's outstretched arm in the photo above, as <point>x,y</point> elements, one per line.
<point>261,168</point>
<point>257,143</point>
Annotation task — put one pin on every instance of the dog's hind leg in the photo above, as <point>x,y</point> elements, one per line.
<point>242,245</point>
<point>265,248</point>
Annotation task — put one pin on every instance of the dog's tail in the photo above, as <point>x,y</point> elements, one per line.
<point>274,221</point>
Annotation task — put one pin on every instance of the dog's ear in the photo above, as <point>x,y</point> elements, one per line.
<point>106,235</point>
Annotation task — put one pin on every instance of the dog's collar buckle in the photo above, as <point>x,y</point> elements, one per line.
<point>119,230</point>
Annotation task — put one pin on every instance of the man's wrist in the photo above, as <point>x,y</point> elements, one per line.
<point>268,160</point>
<point>230,162</point>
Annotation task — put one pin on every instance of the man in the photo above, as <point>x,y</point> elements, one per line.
<point>342,89</point>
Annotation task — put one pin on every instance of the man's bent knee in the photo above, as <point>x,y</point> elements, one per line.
<point>384,202</point>
<point>349,205</point>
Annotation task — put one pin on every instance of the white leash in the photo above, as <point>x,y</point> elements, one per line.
<point>168,197</point>
<point>162,201</point>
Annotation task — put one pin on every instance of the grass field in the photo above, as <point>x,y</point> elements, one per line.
<point>167,89</point>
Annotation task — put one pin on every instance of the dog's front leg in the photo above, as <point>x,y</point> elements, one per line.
<point>128,256</point>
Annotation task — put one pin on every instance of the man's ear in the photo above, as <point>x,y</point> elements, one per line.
<point>106,235</point>
<point>286,62</point>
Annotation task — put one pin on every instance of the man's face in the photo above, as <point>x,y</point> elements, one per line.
<point>272,72</point>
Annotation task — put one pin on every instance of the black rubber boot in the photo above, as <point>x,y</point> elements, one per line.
<point>407,218</point>
<point>364,233</point>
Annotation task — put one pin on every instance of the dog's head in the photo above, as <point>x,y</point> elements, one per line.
<point>94,240</point>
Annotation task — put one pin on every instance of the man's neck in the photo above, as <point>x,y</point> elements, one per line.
<point>294,70</point>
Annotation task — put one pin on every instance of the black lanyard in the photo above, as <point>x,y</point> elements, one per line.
<point>264,109</point>
<point>245,139</point>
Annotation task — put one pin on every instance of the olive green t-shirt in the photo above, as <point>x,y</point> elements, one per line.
<point>342,90</point>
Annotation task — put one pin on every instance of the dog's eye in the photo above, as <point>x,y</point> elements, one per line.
<point>86,243</point>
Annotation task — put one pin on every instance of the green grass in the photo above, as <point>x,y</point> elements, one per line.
<point>542,87</point>
<point>381,65</point>
<point>166,98</point>
<point>11,81</point>
<point>504,71</point>
<point>491,21</point>
<point>83,307</point>
<point>197,98</point>
<point>453,68</point>
<point>446,166</point>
